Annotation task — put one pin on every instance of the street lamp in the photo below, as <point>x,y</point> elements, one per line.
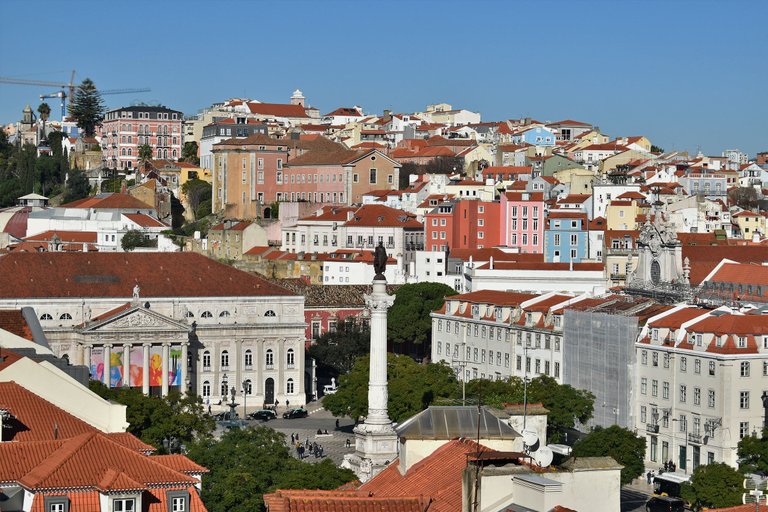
<point>245,395</point>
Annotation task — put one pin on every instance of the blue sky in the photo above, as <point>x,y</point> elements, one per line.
<point>687,74</point>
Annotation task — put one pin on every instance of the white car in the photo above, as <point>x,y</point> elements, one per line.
<point>329,389</point>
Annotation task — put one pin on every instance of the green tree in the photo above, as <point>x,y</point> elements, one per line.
<point>713,486</point>
<point>744,197</point>
<point>78,186</point>
<point>25,168</point>
<point>567,405</point>
<point>337,350</point>
<point>199,194</point>
<point>247,463</point>
<point>86,107</point>
<point>753,454</point>
<point>656,149</point>
<point>412,388</point>
<point>46,174</point>
<point>189,153</point>
<point>133,239</point>
<point>408,319</point>
<point>44,110</point>
<point>623,445</point>
<point>154,419</point>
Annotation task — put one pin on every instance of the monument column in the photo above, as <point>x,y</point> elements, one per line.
<point>126,365</point>
<point>107,363</point>
<point>166,354</point>
<point>145,370</point>
<point>87,357</point>
<point>375,439</point>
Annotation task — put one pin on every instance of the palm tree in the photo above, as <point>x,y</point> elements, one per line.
<point>44,110</point>
<point>145,155</point>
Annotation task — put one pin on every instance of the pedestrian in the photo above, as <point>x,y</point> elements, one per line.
<point>349,443</point>
<point>337,423</point>
<point>276,404</point>
<point>648,477</point>
<point>292,438</point>
<point>321,451</point>
<point>287,404</point>
<point>301,452</point>
<point>306,443</point>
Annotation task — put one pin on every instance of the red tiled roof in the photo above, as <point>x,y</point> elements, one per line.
<point>518,196</point>
<point>545,304</point>
<point>729,324</point>
<point>239,226</point>
<point>575,199</point>
<point>437,140</point>
<point>277,109</point>
<point>342,501</point>
<point>65,236</point>
<point>497,298</point>
<point>145,220</point>
<point>345,111</point>
<point>507,169</point>
<point>742,273</point>
<point>569,122</point>
<point>438,476</point>
<point>158,274</point>
<point>109,200</point>
<point>180,463</point>
<point>80,501</point>
<point>330,213</point>
<point>676,319</point>
<point>382,216</point>
<point>704,260</point>
<point>13,321</point>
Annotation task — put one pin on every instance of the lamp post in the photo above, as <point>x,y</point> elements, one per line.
<point>225,387</point>
<point>245,397</point>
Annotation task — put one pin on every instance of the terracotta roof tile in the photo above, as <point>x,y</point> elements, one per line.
<point>65,236</point>
<point>180,463</point>
<point>109,201</point>
<point>497,298</point>
<point>80,274</point>
<point>13,321</point>
<point>676,319</point>
<point>277,109</point>
<point>145,221</point>
<point>379,215</point>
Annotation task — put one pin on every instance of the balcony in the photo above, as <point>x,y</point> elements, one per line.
<point>618,277</point>
<point>621,251</point>
<point>694,438</point>
<point>653,428</point>
<point>206,368</point>
<point>269,366</point>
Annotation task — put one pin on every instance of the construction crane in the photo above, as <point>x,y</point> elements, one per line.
<point>70,89</point>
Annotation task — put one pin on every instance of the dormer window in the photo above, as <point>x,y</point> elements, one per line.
<point>497,313</point>
<point>475,310</point>
<point>655,334</point>
<point>124,505</point>
<point>178,501</point>
<point>742,342</point>
<point>56,504</point>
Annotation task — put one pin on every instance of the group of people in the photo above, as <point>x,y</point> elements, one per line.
<point>306,447</point>
<point>274,405</point>
<point>667,467</point>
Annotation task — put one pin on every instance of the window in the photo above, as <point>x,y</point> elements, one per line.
<point>224,314</point>
<point>206,314</point>
<point>644,386</point>
<point>290,358</point>
<point>248,359</point>
<point>123,505</point>
<point>206,388</point>
<point>65,316</point>
<point>644,357</point>
<point>372,176</point>
<point>683,392</point>
<point>683,364</point>
<point>655,359</point>
<point>665,390</point>
<point>744,400</point>
<point>269,358</point>
<point>224,359</point>
<point>745,368</point>
<point>643,414</point>
<point>519,363</point>
<point>697,366</point>
<point>655,387</point>
<point>289,387</point>
<point>696,396</point>
<point>46,316</point>
<point>711,367</point>
<point>666,360</point>
<point>269,313</point>
<point>742,343</point>
<point>557,370</point>
<point>711,398</point>
<point>179,503</point>
<point>743,429</point>
<point>506,360</point>
<point>206,360</point>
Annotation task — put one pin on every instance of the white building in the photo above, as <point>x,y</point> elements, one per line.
<point>699,384</point>
<point>356,267</point>
<point>538,276</point>
<point>162,321</point>
<point>496,335</point>
<point>320,232</point>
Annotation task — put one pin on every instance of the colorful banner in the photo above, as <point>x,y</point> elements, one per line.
<point>136,376</point>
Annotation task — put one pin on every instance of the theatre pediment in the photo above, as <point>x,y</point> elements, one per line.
<point>136,319</point>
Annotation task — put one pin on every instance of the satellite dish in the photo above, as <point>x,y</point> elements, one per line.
<point>530,437</point>
<point>543,456</point>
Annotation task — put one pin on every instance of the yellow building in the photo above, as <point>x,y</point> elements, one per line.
<point>621,214</point>
<point>623,158</point>
<point>578,179</point>
<point>750,224</point>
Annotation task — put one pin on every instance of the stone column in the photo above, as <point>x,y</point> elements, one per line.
<point>239,364</point>
<point>145,370</point>
<point>281,361</point>
<point>166,355</point>
<point>126,365</point>
<point>184,369</point>
<point>87,357</point>
<point>107,362</point>
<point>375,439</point>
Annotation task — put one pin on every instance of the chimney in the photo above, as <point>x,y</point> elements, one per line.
<point>491,263</point>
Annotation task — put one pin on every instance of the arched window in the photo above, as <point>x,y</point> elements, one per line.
<point>269,358</point>
<point>291,358</point>
<point>189,314</point>
<point>247,387</point>
<point>224,314</point>
<point>224,359</point>
<point>123,151</point>
<point>289,387</point>
<point>269,313</point>
<point>130,151</point>
<point>206,389</point>
<point>248,359</point>
<point>206,360</point>
<point>174,152</point>
<point>46,316</point>
<point>206,314</point>
<point>65,316</point>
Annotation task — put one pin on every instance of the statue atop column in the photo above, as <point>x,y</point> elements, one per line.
<point>380,262</point>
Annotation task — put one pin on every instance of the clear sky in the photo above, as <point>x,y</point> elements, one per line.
<point>687,74</point>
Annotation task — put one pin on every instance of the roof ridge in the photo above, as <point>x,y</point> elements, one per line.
<point>61,455</point>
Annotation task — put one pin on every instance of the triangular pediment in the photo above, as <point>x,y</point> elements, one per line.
<point>136,318</point>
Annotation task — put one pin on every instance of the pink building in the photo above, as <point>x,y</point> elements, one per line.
<point>522,221</point>
<point>124,130</point>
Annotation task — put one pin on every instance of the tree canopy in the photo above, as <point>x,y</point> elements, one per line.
<point>189,153</point>
<point>713,486</point>
<point>199,194</point>
<point>133,239</point>
<point>412,388</point>
<point>566,404</point>
<point>337,350</point>
<point>753,454</point>
<point>247,463</point>
<point>153,419</point>
<point>408,319</point>
<point>623,445</point>
<point>86,107</point>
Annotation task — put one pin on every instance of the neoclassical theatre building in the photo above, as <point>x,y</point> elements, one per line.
<point>162,321</point>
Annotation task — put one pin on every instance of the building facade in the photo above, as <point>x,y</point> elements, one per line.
<point>126,129</point>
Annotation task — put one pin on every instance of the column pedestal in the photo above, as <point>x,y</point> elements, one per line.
<point>375,439</point>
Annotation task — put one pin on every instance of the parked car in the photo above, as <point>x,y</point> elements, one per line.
<point>224,416</point>
<point>264,415</point>
<point>665,504</point>
<point>298,412</point>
